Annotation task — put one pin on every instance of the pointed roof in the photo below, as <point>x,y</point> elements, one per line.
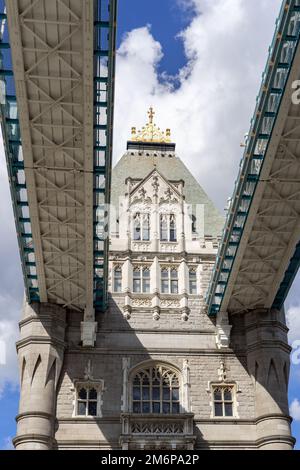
<point>138,165</point>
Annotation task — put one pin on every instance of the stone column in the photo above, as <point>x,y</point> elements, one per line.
<point>40,351</point>
<point>154,226</point>
<point>127,275</point>
<point>183,275</point>
<point>155,288</point>
<point>268,363</point>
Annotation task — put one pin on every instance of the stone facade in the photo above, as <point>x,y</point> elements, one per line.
<point>158,324</point>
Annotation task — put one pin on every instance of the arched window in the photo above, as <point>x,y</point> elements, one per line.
<point>137,227</point>
<point>87,403</point>
<point>173,236</point>
<point>223,400</point>
<point>169,281</point>
<point>168,228</point>
<point>192,281</point>
<point>156,389</point>
<point>117,279</point>
<point>141,280</point>
<point>141,227</point>
<point>194,224</point>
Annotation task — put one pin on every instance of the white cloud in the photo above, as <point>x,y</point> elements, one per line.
<point>11,289</point>
<point>226,46</point>
<point>295,409</point>
<point>9,314</point>
<point>293,322</point>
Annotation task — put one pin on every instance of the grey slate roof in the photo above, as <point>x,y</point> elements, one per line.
<point>172,168</point>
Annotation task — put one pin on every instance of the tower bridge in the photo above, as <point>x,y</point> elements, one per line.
<point>116,348</point>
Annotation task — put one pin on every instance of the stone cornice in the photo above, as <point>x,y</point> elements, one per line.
<point>269,344</point>
<point>40,340</point>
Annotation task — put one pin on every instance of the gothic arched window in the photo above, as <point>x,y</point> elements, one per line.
<point>223,400</point>
<point>87,402</point>
<point>141,280</point>
<point>141,227</point>
<point>117,287</point>
<point>156,389</point>
<point>168,231</point>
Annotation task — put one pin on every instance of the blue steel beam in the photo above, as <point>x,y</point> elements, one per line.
<point>15,165</point>
<point>274,79</point>
<point>104,77</point>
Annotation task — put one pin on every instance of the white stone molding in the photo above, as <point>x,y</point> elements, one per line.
<point>186,386</point>
<point>183,273</point>
<point>223,329</point>
<point>127,276</point>
<point>125,394</point>
<point>199,277</point>
<point>155,276</point>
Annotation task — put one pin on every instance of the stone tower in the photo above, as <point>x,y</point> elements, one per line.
<point>161,374</point>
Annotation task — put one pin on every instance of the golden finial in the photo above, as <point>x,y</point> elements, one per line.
<point>133,133</point>
<point>151,114</point>
<point>150,132</point>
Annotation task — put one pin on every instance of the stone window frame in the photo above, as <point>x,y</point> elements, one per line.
<point>235,404</point>
<point>170,218</point>
<point>169,279</point>
<point>144,366</point>
<point>144,221</point>
<point>192,269</point>
<point>115,268</point>
<point>141,269</point>
<point>98,385</point>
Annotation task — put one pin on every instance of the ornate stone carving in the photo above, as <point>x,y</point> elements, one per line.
<point>159,427</point>
<point>88,371</point>
<point>166,247</point>
<point>222,372</point>
<point>142,431</point>
<point>141,302</point>
<point>141,246</point>
<point>185,312</point>
<point>127,312</point>
<point>170,303</point>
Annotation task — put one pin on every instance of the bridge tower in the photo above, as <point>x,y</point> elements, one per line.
<point>168,333</point>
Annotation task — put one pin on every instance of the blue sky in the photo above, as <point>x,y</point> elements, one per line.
<point>201,69</point>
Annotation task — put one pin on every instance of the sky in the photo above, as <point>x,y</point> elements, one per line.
<point>199,63</point>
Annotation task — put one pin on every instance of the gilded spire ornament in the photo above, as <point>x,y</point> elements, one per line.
<point>150,132</point>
